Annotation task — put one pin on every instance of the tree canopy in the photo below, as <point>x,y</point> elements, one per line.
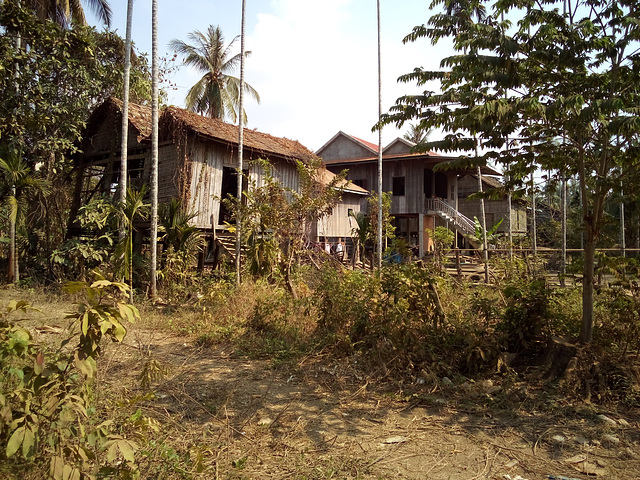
<point>51,77</point>
<point>50,87</point>
<point>69,11</point>
<point>538,84</point>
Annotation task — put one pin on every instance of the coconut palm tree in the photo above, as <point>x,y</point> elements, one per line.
<point>68,11</point>
<point>217,93</point>
<point>134,210</point>
<point>416,134</point>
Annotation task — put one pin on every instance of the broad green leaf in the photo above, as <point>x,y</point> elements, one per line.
<point>119,332</point>
<point>84,323</point>
<point>101,284</point>
<point>21,335</point>
<point>29,443</point>
<point>74,287</point>
<point>55,467</point>
<point>128,312</point>
<point>105,325</point>
<point>112,452</point>
<point>127,449</point>
<point>82,453</point>
<point>67,471</point>
<point>87,365</point>
<point>15,441</point>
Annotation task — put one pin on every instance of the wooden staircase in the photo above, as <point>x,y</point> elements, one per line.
<point>462,223</point>
<point>224,246</point>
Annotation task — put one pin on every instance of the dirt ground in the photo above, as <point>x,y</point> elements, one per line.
<point>320,418</point>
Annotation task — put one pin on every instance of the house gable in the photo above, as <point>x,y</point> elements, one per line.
<point>344,146</point>
<point>399,145</point>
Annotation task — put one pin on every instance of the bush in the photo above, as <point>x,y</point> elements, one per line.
<point>47,415</point>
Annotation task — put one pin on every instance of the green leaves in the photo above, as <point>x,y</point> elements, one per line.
<point>119,445</point>
<point>102,314</point>
<point>43,400</point>
<point>560,87</point>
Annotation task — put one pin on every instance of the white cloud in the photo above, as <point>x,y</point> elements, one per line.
<point>313,62</point>
<point>315,66</point>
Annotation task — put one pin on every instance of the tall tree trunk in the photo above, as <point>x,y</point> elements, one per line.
<point>591,221</point>
<point>379,140</point>
<point>534,234</point>
<point>563,270</point>
<point>13,254</point>
<point>14,275</point>
<point>124,134</point>
<point>510,226</point>
<point>240,146</point>
<point>154,147</point>
<point>623,242</point>
<point>586,334</point>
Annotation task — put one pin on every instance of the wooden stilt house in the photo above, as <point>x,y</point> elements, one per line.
<point>197,161</point>
<point>422,197</point>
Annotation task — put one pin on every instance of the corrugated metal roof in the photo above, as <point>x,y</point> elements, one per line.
<point>371,145</point>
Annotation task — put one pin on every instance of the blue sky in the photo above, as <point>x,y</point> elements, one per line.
<point>313,62</point>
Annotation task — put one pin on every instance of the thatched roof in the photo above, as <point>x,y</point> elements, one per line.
<point>221,131</point>
<point>325,177</point>
<point>139,116</point>
<point>214,129</point>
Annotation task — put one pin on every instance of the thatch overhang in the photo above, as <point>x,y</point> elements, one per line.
<point>258,143</point>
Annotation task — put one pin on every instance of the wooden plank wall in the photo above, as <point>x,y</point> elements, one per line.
<point>206,182</point>
<point>339,223</point>
<point>412,171</point>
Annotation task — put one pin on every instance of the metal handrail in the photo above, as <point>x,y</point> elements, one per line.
<point>441,207</point>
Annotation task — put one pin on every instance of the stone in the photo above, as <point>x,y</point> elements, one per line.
<point>610,439</point>
<point>607,420</point>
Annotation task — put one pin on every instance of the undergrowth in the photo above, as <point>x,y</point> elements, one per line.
<point>409,320</point>
<point>405,323</point>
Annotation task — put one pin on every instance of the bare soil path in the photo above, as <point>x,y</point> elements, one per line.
<point>321,418</point>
